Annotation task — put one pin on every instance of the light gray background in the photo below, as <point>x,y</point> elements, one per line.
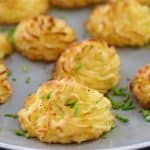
<point>137,131</point>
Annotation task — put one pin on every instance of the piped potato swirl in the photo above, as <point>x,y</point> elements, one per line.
<point>43,38</point>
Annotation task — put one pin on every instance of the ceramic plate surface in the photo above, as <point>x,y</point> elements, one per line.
<point>135,134</point>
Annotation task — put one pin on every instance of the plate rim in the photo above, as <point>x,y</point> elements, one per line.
<point>129,147</point>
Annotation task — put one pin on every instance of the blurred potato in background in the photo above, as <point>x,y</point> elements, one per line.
<point>123,23</point>
<point>43,38</point>
<point>14,11</point>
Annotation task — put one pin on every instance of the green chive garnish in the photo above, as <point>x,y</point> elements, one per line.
<point>9,73</point>
<point>146,115</point>
<point>76,111</point>
<point>21,133</point>
<point>71,103</point>
<point>46,96</point>
<point>104,136</point>
<point>14,79</point>
<point>120,91</point>
<point>28,80</point>
<point>10,35</point>
<point>78,67</point>
<point>29,94</point>
<point>14,116</point>
<point>124,103</point>
<point>128,106</point>
<point>114,125</point>
<point>24,68</point>
<point>122,118</point>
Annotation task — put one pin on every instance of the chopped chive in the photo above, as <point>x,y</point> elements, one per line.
<point>126,98</point>
<point>110,96</point>
<point>76,111</point>
<point>10,35</point>
<point>46,96</point>
<point>78,67</point>
<point>28,80</point>
<point>104,136</point>
<point>122,118</point>
<point>14,79</point>
<point>147,118</point>
<point>21,133</point>
<point>146,115</point>
<point>128,106</point>
<point>93,109</point>
<point>114,125</point>
<point>71,103</point>
<point>29,94</point>
<point>120,91</point>
<point>117,105</point>
<point>124,103</point>
<point>14,116</point>
<point>9,73</point>
<point>24,68</point>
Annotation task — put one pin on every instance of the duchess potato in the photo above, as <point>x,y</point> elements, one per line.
<point>91,63</point>
<point>66,112</point>
<point>5,47</point>
<point>43,38</point>
<point>5,88</point>
<point>145,2</point>
<point>74,3</point>
<point>140,86</point>
<point>14,11</point>
<point>118,23</point>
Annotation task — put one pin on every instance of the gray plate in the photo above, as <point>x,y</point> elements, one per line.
<point>134,134</point>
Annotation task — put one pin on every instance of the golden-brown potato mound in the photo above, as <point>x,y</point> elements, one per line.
<point>124,23</point>
<point>5,88</point>
<point>5,47</point>
<point>14,11</point>
<point>145,2</point>
<point>65,112</point>
<point>140,86</point>
<point>91,63</point>
<point>74,3</point>
<point>43,38</point>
